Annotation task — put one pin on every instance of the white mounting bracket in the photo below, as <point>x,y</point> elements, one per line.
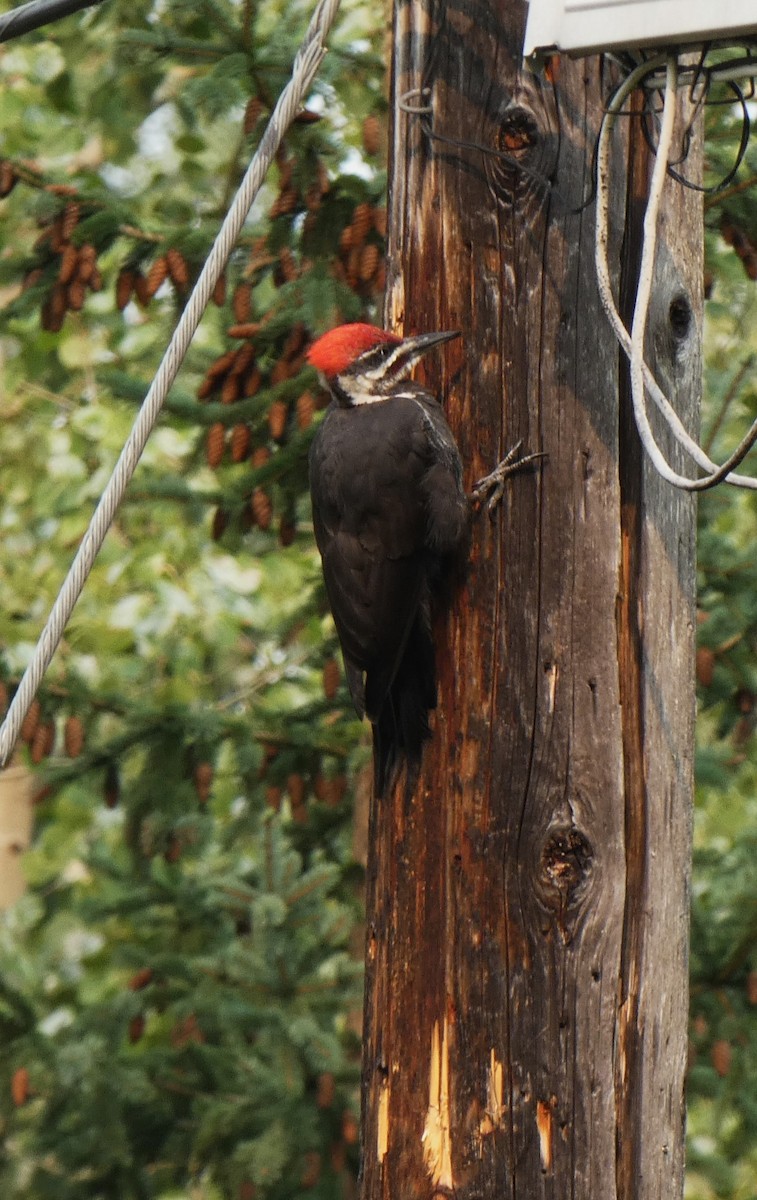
<point>591,26</point>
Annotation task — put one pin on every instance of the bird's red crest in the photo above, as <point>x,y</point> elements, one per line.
<point>338,349</point>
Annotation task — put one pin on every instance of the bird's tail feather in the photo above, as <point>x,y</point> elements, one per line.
<point>401,726</point>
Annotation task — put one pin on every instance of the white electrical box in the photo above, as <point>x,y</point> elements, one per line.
<point>590,26</point>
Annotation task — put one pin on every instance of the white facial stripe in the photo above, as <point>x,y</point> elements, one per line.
<point>357,391</point>
<point>400,351</point>
<point>386,366</point>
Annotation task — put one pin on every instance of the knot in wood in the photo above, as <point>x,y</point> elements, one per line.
<point>566,861</point>
<point>518,133</point>
<point>680,317</point>
<point>520,170</point>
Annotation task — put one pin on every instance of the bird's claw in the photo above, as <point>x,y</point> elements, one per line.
<point>491,488</point>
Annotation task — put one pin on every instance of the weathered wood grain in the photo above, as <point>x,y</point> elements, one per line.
<point>525,1018</point>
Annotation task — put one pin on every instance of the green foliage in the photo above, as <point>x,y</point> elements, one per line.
<point>193,1026</point>
<point>180,986</point>
<point>722,1114</point>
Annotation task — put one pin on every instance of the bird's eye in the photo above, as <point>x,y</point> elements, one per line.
<point>377,358</point>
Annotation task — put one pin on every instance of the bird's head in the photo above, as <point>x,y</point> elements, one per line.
<point>361,364</point>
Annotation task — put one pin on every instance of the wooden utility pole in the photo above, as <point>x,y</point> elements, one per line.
<point>526,1005</point>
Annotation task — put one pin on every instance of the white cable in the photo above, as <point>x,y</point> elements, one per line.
<point>718,473</point>
<point>646,271</point>
<point>306,63</point>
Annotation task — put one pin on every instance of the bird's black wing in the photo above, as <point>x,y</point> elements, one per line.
<point>387,506</point>
<point>370,520</point>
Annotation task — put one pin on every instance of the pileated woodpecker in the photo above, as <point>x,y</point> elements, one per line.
<point>392,523</point>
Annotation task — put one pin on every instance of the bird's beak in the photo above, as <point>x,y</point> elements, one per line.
<point>411,349</point>
<point>422,342</point>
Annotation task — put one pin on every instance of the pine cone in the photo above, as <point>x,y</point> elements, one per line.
<point>57,237</point>
<point>230,389</point>
<point>156,276</point>
<point>369,260</point>
<point>312,1169</point>
<point>136,1028</point>
<point>87,264</point>
<point>277,419</point>
<point>273,797</point>
<point>58,301</point>
<point>305,409</point>
<point>362,220</point>
<point>252,381</point>
<point>177,268</point>
<point>73,736</point>
<point>330,678</point>
<point>705,668</point>
<point>325,1090</point>
<point>379,279</point>
<point>219,291</point>
<point>285,202</point>
<point>69,260</point>
<point>294,342</point>
<point>353,266</point>
<point>371,135</point>
<point>49,319</point>
<point>296,788</point>
<point>240,442</point>
<point>76,295</point>
<point>247,329</point>
<point>141,979</point>
<point>141,290</point>
<point>70,219</point>
<point>203,779</point>
<point>720,1055</point>
<point>350,1131</point>
<point>251,114</point>
<point>241,303</point>
<point>335,789</point>
<point>42,742</point>
<point>215,444</point>
<point>20,1086</point>
<point>222,365</point>
<point>262,509</point>
<point>30,722</point>
<point>244,357</point>
<point>8,177</point>
<point>279,372</point>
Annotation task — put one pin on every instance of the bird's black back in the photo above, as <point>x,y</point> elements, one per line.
<point>390,518</point>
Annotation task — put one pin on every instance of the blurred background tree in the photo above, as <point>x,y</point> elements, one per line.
<point>180,984</point>
<point>722,1113</point>
<point>180,987</point>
